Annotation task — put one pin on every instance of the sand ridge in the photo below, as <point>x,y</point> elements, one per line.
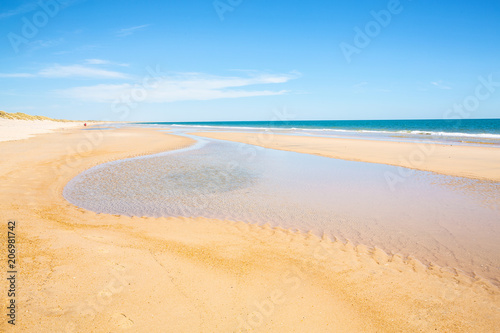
<point>81,271</point>
<point>454,160</point>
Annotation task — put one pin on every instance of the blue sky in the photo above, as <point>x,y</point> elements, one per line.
<point>198,60</point>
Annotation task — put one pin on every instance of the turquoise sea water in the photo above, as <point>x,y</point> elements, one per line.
<point>487,128</point>
<point>453,131</point>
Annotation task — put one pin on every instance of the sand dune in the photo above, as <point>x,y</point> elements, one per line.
<point>18,126</point>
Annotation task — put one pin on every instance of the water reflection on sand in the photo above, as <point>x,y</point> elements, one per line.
<point>446,220</point>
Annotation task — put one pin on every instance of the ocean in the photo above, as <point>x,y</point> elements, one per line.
<point>468,127</point>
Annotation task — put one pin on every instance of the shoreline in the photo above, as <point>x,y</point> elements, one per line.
<point>461,161</point>
<point>88,271</point>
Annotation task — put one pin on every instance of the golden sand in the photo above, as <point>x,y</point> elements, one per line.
<point>457,160</point>
<point>87,272</point>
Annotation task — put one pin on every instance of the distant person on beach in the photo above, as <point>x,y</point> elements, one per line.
<point>85,124</point>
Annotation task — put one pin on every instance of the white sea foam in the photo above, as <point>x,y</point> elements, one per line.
<point>335,130</point>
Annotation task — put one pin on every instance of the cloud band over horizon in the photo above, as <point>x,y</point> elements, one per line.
<point>180,87</point>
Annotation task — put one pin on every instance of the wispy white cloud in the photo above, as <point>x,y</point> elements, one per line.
<point>103,62</point>
<point>14,75</point>
<point>78,49</point>
<point>32,5</point>
<point>440,85</point>
<point>80,71</point>
<point>58,71</point>
<point>183,87</point>
<point>24,8</point>
<point>96,61</point>
<point>44,44</point>
<point>129,31</point>
<point>360,85</point>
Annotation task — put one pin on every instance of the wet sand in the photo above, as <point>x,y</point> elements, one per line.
<point>82,271</point>
<point>453,160</point>
<point>429,216</point>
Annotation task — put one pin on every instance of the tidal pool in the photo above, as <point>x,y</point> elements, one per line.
<point>449,221</point>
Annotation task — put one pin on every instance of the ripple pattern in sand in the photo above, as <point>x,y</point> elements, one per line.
<point>343,199</point>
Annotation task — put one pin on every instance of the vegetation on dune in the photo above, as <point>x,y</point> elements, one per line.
<point>24,116</point>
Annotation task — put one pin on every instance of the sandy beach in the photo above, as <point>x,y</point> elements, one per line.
<point>453,160</point>
<point>85,272</point>
<point>14,129</point>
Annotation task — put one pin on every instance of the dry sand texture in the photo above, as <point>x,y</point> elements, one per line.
<point>14,129</point>
<point>87,272</point>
